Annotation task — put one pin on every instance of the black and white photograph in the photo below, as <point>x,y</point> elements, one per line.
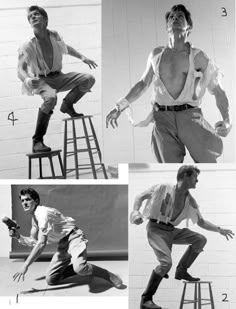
<point>182,236</point>
<point>64,240</point>
<point>168,81</point>
<point>50,96</point>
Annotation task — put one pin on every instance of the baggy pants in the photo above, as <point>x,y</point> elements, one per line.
<point>173,131</point>
<point>71,250</point>
<point>56,82</point>
<point>161,238</point>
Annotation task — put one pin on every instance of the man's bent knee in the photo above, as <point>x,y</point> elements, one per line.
<point>83,269</point>
<point>53,280</point>
<point>199,243</point>
<point>48,105</point>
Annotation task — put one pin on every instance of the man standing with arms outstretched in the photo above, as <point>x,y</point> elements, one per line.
<point>39,68</point>
<point>167,206</point>
<point>180,74</point>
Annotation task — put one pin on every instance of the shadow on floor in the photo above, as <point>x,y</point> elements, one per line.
<point>96,285</point>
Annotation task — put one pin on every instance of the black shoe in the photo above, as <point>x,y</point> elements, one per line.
<point>68,109</point>
<point>184,275</point>
<point>149,304</point>
<point>40,147</point>
<point>107,275</point>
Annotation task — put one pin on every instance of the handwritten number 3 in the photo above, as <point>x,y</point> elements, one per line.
<point>224,12</point>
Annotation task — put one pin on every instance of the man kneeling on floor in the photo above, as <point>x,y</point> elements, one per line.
<point>49,226</point>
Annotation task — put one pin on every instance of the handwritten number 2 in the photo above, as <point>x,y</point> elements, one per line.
<point>224,12</point>
<point>225,299</point>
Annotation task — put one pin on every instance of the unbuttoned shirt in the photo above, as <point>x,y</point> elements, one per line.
<point>34,59</point>
<point>51,223</point>
<point>195,85</point>
<point>160,202</point>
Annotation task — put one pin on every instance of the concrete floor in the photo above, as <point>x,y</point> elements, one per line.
<point>35,284</point>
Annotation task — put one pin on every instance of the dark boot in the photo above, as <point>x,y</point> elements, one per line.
<point>67,105</point>
<point>40,131</point>
<point>153,283</point>
<point>186,261</point>
<point>108,276</point>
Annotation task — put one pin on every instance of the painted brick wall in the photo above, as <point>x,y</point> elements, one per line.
<point>215,194</point>
<point>131,29</point>
<point>79,23</point>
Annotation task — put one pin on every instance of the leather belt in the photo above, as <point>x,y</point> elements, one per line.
<point>51,74</point>
<point>161,223</point>
<point>174,108</point>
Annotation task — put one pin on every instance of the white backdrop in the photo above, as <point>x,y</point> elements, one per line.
<point>79,23</point>
<point>215,194</point>
<point>131,30</point>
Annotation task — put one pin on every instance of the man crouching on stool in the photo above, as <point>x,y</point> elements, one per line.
<point>167,206</point>
<point>49,226</point>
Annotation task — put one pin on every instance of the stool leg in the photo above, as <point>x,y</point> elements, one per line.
<point>199,296</point>
<point>195,295</point>
<point>98,148</point>
<point>89,150</point>
<point>40,168</point>
<point>65,148</point>
<point>29,171</point>
<point>75,150</point>
<point>52,168</point>
<point>61,165</point>
<point>211,297</point>
<point>182,298</point>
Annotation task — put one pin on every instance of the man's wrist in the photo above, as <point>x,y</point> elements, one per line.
<point>122,104</point>
<point>218,229</point>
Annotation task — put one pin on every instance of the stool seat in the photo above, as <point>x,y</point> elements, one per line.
<point>91,145</point>
<point>198,300</point>
<point>40,156</point>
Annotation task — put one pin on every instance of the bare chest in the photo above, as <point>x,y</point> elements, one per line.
<point>47,52</point>
<point>173,71</point>
<point>178,205</point>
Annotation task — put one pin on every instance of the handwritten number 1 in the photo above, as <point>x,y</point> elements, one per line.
<point>224,12</point>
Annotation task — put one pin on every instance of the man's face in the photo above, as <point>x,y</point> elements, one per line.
<point>35,18</point>
<point>177,21</point>
<point>192,180</point>
<point>28,203</point>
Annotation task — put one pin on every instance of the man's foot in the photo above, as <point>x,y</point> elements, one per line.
<point>183,274</point>
<point>149,304</point>
<point>68,109</point>
<point>116,281</point>
<point>40,147</point>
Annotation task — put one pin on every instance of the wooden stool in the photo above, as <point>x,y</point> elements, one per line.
<point>89,136</point>
<point>48,155</point>
<point>197,301</point>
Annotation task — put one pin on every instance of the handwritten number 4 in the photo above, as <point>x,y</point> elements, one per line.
<point>224,12</point>
<point>225,299</point>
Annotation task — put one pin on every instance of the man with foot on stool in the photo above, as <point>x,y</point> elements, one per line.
<point>49,226</point>
<point>39,68</point>
<point>167,206</point>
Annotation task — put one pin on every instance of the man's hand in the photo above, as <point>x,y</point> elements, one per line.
<point>227,233</point>
<point>14,233</point>
<point>112,118</point>
<point>136,217</point>
<point>20,275</point>
<point>32,82</point>
<point>223,128</point>
<point>90,63</point>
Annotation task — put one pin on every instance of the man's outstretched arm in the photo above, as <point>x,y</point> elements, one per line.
<point>74,53</point>
<point>135,92</point>
<point>34,254</point>
<point>214,228</point>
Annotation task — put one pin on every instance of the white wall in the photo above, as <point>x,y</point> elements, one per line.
<point>215,194</point>
<point>131,29</point>
<point>79,23</point>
